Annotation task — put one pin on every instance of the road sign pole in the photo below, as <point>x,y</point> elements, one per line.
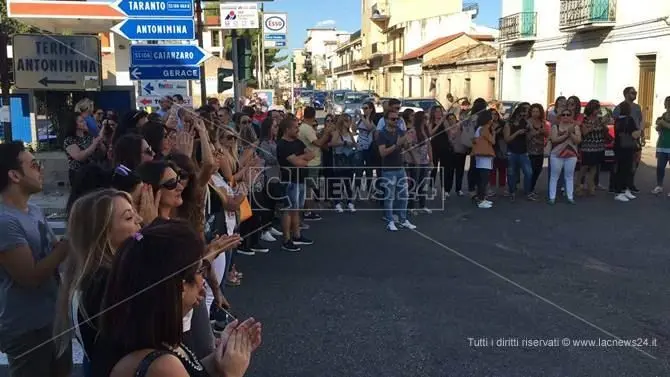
<point>236,77</point>
<point>4,82</point>
<point>203,79</point>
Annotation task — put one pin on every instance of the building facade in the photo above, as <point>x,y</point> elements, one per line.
<point>392,28</point>
<point>589,48</point>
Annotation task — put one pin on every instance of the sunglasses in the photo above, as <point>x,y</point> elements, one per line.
<point>245,122</point>
<point>365,108</point>
<point>171,183</point>
<point>393,119</point>
<point>566,114</point>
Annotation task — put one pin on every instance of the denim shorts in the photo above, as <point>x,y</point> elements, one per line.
<point>295,196</point>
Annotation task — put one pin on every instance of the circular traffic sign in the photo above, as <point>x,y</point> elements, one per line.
<point>275,23</point>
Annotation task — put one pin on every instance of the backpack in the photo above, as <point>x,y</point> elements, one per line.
<point>468,127</point>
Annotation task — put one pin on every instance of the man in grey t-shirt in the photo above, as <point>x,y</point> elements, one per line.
<point>29,261</point>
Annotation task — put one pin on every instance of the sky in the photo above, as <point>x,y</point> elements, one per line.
<point>346,15</point>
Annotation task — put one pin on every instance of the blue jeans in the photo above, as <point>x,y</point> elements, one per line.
<point>662,160</point>
<point>395,186</point>
<point>516,162</point>
<point>295,196</point>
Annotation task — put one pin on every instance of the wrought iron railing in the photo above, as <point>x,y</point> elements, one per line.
<point>576,13</point>
<point>342,68</point>
<point>517,26</point>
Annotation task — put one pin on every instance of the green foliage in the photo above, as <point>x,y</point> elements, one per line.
<point>8,25</point>
<point>272,56</point>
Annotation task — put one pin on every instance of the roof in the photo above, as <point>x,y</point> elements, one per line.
<point>421,51</point>
<point>460,54</point>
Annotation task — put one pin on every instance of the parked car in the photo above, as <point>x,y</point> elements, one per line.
<point>419,104</point>
<point>319,100</point>
<point>606,112</point>
<point>507,108</point>
<point>335,104</point>
<point>353,102</point>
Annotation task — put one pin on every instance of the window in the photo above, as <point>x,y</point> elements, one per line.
<point>216,38</point>
<point>516,82</point>
<point>449,86</point>
<point>217,54</point>
<point>492,87</point>
<point>600,79</point>
<point>466,90</point>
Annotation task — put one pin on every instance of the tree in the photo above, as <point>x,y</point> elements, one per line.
<point>9,26</point>
<point>271,54</point>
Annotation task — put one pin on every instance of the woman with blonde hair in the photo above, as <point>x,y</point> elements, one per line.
<point>99,222</point>
<point>343,145</point>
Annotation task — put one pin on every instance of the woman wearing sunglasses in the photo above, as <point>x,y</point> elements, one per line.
<point>565,138</point>
<point>165,184</point>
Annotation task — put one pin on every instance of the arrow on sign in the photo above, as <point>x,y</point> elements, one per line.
<point>45,81</point>
<point>163,55</point>
<point>142,29</point>
<point>146,101</point>
<point>135,73</point>
<point>149,88</point>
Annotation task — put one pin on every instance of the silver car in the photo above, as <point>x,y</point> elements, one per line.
<point>353,102</point>
<point>335,102</point>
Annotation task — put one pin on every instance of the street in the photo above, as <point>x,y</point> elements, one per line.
<point>366,302</point>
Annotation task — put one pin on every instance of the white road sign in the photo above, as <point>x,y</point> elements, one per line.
<point>275,29</point>
<point>56,62</point>
<point>164,87</point>
<point>239,16</point>
<point>154,101</point>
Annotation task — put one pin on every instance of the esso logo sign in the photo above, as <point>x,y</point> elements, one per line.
<point>275,23</point>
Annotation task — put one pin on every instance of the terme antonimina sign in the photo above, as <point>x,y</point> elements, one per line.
<point>57,62</point>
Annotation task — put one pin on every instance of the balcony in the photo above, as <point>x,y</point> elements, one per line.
<point>358,65</point>
<point>379,14</point>
<point>342,68</point>
<point>582,15</point>
<point>327,71</point>
<point>518,27</point>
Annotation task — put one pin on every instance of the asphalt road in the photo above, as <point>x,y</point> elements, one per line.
<point>366,302</point>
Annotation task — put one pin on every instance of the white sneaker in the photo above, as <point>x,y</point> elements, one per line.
<point>352,207</point>
<point>484,204</point>
<point>460,193</point>
<point>621,198</point>
<point>406,224</point>
<point>629,195</point>
<point>427,210</point>
<point>657,190</point>
<point>338,208</point>
<point>446,195</point>
<point>267,237</point>
<point>275,232</point>
<point>391,226</point>
<point>488,202</point>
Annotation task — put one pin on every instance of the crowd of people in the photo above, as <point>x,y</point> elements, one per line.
<point>161,201</point>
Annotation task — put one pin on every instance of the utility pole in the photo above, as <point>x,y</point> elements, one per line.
<point>4,81</point>
<point>291,73</point>
<point>261,46</point>
<point>236,78</point>
<point>199,31</point>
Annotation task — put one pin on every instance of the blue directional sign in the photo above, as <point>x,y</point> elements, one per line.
<point>275,37</point>
<point>165,73</point>
<point>142,29</point>
<point>162,55</point>
<point>155,8</point>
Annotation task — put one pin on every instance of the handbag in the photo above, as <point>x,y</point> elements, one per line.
<point>245,210</point>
